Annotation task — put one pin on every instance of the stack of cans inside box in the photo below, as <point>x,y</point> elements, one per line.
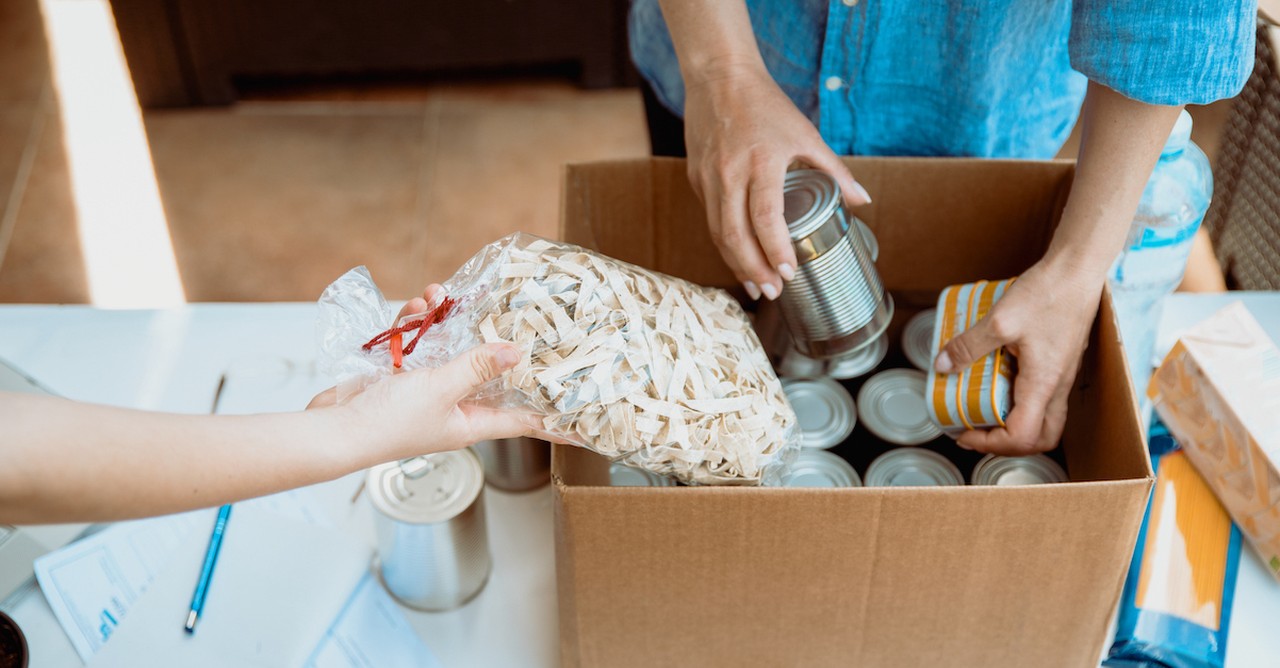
<point>857,368</point>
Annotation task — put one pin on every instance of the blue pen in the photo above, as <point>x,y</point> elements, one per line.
<point>206,572</point>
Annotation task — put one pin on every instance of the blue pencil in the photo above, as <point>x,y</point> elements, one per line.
<point>206,572</point>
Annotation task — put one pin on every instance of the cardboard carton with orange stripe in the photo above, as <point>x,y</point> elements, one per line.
<point>1218,391</point>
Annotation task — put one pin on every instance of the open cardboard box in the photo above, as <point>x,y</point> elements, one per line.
<point>965,576</point>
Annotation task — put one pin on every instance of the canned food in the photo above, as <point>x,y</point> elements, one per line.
<point>891,406</point>
<point>980,396</point>
<point>515,464</point>
<point>621,475</point>
<point>868,238</point>
<point>817,468</point>
<point>917,339</point>
<point>796,364</point>
<point>1032,470</point>
<point>824,410</point>
<point>913,467</point>
<point>861,361</point>
<point>836,303</point>
<point>433,547</point>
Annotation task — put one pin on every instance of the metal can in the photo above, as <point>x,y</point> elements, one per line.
<point>433,547</point>
<point>515,464</point>
<point>980,396</point>
<point>917,339</point>
<point>891,406</point>
<point>868,238</point>
<point>913,467</point>
<point>824,409</point>
<point>1031,470</point>
<point>861,361</point>
<point>816,468</point>
<point>621,475</point>
<point>836,302</point>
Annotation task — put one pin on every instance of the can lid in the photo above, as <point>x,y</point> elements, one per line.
<point>891,405</point>
<point>824,409</point>
<point>913,467</point>
<point>796,364</point>
<point>868,239</point>
<point>621,475</point>
<point>428,489</point>
<point>809,199</point>
<point>818,468</point>
<point>917,339</point>
<point>1030,470</point>
<point>861,360</point>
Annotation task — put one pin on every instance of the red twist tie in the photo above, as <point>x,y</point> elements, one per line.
<point>432,317</point>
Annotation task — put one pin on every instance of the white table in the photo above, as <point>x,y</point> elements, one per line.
<point>171,360</point>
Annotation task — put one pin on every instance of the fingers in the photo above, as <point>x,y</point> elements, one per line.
<point>325,399</point>
<point>764,201</point>
<point>737,238</point>
<point>850,190</point>
<point>411,307</point>
<point>487,424</point>
<point>971,345</point>
<point>433,291</point>
<point>463,375</point>
<point>1031,426</point>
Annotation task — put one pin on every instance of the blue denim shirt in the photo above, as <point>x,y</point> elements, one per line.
<point>997,78</point>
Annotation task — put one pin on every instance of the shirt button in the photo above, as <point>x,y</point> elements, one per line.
<point>850,3</point>
<point>834,83</point>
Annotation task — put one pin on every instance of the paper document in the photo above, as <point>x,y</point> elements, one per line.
<point>372,632</point>
<point>278,586</point>
<point>92,584</point>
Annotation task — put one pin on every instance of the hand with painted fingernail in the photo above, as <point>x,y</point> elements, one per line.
<point>742,134</point>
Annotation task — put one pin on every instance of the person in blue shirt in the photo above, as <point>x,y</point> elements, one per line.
<point>761,84</point>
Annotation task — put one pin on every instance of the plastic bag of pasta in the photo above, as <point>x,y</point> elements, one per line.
<point>643,368</point>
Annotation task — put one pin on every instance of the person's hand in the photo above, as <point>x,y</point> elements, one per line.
<point>422,411</point>
<point>1044,319</point>
<point>742,132</point>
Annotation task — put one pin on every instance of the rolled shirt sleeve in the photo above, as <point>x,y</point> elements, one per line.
<point>1165,51</point>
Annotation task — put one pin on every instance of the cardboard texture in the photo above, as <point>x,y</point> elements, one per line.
<point>1218,391</point>
<point>971,576</point>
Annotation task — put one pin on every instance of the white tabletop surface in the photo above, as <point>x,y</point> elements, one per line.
<point>171,360</point>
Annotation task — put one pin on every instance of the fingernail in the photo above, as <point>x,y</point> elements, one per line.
<point>786,271</point>
<point>751,289</point>
<point>943,364</point>
<point>506,357</point>
<point>769,291</point>
<point>859,190</point>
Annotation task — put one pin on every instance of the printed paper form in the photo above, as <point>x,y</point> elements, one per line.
<point>92,583</point>
<point>371,632</point>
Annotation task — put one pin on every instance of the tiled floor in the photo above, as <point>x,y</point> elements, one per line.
<point>273,198</point>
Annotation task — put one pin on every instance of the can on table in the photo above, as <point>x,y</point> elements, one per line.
<point>913,467</point>
<point>917,339</point>
<point>515,464</point>
<point>891,406</point>
<point>980,396</point>
<point>824,410</point>
<point>836,303</point>
<point>818,468</point>
<point>1030,470</point>
<point>621,475</point>
<point>433,547</point>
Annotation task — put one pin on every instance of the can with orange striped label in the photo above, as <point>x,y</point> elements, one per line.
<point>980,396</point>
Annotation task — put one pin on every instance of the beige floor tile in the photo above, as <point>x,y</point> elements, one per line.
<point>268,207</point>
<point>43,263</point>
<point>499,154</point>
<point>24,58</point>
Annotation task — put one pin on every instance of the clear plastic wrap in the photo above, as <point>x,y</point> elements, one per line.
<point>643,368</point>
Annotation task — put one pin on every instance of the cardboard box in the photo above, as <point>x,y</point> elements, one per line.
<point>1218,391</point>
<point>971,576</point>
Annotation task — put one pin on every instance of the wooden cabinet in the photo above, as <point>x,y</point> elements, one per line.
<point>198,52</point>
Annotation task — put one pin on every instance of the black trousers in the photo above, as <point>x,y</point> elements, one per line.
<point>666,130</point>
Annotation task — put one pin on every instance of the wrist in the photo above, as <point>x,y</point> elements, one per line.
<point>721,70</point>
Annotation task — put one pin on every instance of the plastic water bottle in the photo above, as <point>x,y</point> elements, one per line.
<point>1155,256</point>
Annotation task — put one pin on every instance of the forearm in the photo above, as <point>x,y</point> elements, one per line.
<point>711,37</point>
<point>1120,143</point>
<point>113,463</point>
